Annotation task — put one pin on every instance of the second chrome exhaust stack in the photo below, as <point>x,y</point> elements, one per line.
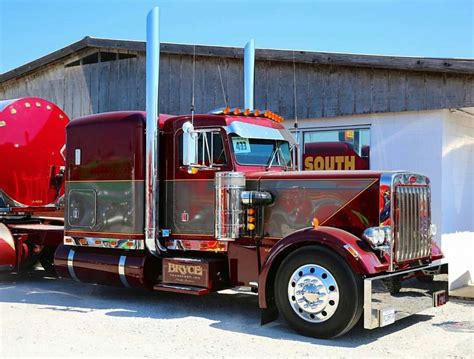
<point>152,128</point>
<point>249,74</point>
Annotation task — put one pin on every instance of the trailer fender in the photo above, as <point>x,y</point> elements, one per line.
<point>352,249</point>
<point>7,249</point>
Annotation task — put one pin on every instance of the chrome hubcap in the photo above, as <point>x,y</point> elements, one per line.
<point>313,293</point>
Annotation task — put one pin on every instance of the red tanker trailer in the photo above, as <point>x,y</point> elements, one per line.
<point>32,136</point>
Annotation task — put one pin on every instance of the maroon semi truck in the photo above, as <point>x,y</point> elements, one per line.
<point>199,203</point>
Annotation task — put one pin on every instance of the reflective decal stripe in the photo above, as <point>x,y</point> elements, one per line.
<point>121,270</point>
<point>70,265</point>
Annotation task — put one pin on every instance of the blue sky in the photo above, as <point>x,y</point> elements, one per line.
<point>33,28</point>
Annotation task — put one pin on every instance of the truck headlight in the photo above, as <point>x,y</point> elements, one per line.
<point>377,236</point>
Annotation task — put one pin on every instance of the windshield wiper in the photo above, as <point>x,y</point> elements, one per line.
<point>276,154</point>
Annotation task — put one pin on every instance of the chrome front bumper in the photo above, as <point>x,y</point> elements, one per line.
<point>398,295</point>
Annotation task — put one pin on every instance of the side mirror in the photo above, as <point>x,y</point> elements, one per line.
<point>190,155</point>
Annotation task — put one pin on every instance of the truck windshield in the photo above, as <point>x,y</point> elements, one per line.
<point>260,152</point>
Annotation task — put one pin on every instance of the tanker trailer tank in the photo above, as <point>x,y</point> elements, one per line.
<point>32,136</point>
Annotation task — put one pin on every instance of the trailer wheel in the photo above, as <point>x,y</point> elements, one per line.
<point>47,261</point>
<point>317,293</point>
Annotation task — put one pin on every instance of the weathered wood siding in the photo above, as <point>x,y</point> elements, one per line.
<point>321,90</point>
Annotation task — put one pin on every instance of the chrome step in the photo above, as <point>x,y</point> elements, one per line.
<point>181,289</point>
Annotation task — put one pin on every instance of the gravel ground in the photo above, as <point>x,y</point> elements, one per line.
<point>47,317</point>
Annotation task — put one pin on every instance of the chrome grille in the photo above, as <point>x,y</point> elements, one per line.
<point>412,219</point>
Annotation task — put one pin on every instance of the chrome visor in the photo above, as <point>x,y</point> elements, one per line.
<point>248,130</point>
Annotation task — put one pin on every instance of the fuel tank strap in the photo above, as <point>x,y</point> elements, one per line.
<point>70,265</point>
<point>121,270</point>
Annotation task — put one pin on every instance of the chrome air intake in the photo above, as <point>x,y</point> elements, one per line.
<point>407,209</point>
<point>229,212</point>
<point>412,220</point>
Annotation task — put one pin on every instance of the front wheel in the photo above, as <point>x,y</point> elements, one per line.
<point>317,293</point>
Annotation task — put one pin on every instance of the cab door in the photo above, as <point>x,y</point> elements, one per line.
<point>190,193</point>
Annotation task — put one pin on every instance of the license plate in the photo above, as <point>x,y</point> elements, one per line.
<point>387,316</point>
<point>440,298</point>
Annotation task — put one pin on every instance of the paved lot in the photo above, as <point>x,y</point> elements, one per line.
<point>47,317</point>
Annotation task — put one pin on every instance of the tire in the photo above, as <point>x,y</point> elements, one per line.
<point>393,285</point>
<point>47,261</point>
<point>333,300</point>
<point>426,278</point>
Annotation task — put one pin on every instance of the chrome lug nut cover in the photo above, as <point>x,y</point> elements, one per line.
<point>313,293</point>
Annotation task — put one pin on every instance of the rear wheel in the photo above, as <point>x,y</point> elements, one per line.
<point>317,293</point>
<point>47,260</point>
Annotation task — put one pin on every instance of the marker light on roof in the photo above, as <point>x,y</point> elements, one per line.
<point>247,112</point>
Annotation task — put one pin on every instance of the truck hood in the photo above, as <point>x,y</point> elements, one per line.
<point>308,175</point>
<point>348,200</point>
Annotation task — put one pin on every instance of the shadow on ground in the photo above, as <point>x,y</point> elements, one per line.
<point>229,311</point>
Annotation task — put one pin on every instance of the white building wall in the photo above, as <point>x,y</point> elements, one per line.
<point>438,144</point>
<point>458,195</point>
<point>410,141</point>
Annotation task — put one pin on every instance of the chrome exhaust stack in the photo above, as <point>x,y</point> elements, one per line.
<point>249,74</point>
<point>152,128</point>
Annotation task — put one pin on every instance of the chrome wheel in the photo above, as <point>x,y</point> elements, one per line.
<point>313,293</point>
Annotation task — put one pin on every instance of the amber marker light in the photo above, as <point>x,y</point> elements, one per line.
<point>27,105</point>
<point>226,111</point>
<point>192,170</point>
<point>247,112</point>
<point>37,104</point>
<point>352,251</point>
<point>236,111</point>
<point>315,222</point>
<point>3,123</point>
<point>256,113</point>
<point>13,111</point>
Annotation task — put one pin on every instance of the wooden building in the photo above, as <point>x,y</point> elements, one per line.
<point>97,75</point>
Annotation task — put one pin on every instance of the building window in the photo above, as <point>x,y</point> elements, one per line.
<point>336,149</point>
<point>101,56</point>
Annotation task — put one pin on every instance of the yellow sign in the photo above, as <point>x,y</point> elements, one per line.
<point>328,163</point>
<point>349,135</point>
